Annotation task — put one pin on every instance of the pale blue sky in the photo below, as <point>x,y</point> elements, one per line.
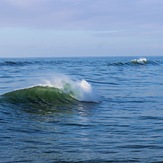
<point>54,28</point>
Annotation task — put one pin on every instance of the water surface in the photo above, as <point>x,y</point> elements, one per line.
<point>81,109</point>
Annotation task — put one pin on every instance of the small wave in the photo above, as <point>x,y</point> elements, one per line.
<point>118,63</point>
<point>14,63</point>
<point>19,62</point>
<point>134,62</point>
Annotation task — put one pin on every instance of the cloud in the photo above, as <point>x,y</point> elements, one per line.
<point>22,3</point>
<point>80,27</point>
<point>80,14</point>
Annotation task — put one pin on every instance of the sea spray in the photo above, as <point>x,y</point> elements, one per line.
<point>78,89</point>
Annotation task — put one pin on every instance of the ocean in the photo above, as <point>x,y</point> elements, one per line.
<point>86,109</point>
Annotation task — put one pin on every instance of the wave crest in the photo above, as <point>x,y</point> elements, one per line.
<point>79,90</point>
<point>139,61</point>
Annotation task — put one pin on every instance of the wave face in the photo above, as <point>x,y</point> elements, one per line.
<point>39,100</point>
<point>39,95</point>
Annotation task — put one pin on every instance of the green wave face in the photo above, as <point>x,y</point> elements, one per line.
<point>40,98</point>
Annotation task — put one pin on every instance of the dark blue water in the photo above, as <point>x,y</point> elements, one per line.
<point>81,109</point>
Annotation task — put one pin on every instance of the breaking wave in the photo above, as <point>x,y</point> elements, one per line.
<point>134,62</point>
<point>56,94</point>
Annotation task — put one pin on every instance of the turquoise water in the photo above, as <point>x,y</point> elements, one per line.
<point>104,109</point>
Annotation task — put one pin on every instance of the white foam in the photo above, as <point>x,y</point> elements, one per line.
<point>85,85</point>
<point>140,60</point>
<point>79,89</point>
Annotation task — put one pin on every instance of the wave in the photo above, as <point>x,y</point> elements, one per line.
<point>14,63</point>
<point>61,94</point>
<point>134,62</point>
<point>22,62</point>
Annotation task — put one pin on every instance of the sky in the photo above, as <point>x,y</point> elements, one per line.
<point>63,28</point>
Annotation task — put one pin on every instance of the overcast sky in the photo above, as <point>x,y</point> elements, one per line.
<point>52,28</point>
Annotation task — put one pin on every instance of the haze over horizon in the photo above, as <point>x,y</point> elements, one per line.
<point>60,28</point>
